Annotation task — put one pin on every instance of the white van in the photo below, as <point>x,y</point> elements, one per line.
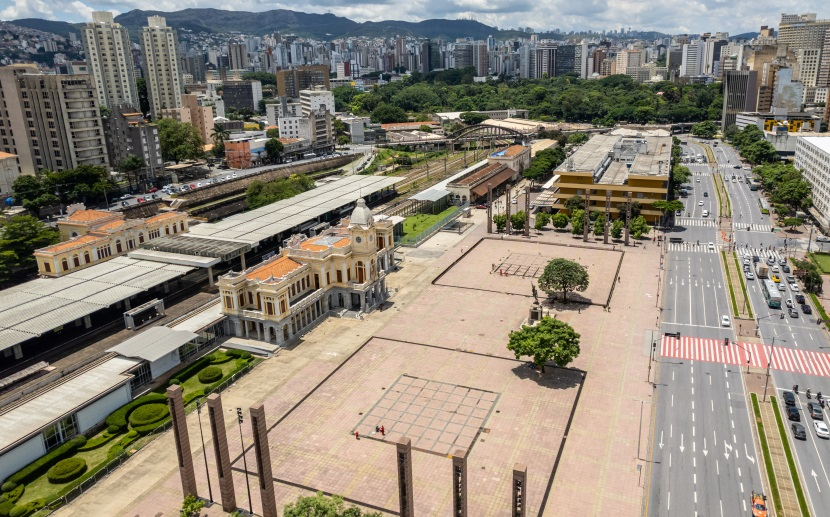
<point>706,213</point>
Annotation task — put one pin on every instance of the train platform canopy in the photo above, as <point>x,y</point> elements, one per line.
<point>191,250</point>
<point>271,220</point>
<point>33,308</point>
<point>439,190</point>
<point>153,344</point>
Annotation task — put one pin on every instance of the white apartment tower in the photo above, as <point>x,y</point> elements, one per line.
<point>692,63</point>
<point>161,65</point>
<point>110,60</point>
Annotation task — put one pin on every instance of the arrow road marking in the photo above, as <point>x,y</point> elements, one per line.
<point>705,452</point>
<point>815,478</point>
<point>681,443</point>
<point>726,449</point>
<point>661,440</point>
<point>746,453</point>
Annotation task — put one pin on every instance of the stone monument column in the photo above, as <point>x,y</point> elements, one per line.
<point>175,401</point>
<point>404,466</point>
<point>459,483</point>
<point>518,488</point>
<point>220,450</point>
<point>263,461</point>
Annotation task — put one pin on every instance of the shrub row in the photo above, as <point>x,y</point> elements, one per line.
<point>193,369</point>
<point>38,467</point>
<point>8,499</point>
<point>119,446</point>
<point>219,357</point>
<point>148,413</point>
<point>66,470</point>
<point>239,354</point>
<point>210,374</point>
<point>118,417</point>
<point>28,508</point>
<point>99,441</point>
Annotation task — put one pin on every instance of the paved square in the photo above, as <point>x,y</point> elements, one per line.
<point>522,262</point>
<point>437,416</point>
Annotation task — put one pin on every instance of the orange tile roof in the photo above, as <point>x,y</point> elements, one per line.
<point>314,245</point>
<point>112,225</point>
<point>277,268</point>
<point>63,246</point>
<point>163,216</point>
<point>85,216</point>
<point>514,150</point>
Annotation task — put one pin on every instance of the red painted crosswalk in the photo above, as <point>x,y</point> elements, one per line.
<point>713,350</point>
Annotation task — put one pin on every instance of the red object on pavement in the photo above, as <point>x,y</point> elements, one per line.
<point>382,431</point>
<point>357,435</point>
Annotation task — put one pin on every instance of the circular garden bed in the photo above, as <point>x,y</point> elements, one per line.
<point>66,470</point>
<point>210,374</point>
<point>148,414</point>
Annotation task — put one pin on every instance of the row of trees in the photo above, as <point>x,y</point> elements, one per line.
<point>20,236</point>
<point>602,102</point>
<point>639,226</point>
<point>751,144</point>
<point>46,188</point>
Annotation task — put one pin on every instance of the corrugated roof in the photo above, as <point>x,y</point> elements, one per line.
<point>153,343</point>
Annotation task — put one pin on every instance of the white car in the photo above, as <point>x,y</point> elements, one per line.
<point>774,269</point>
<point>750,276</point>
<point>711,246</point>
<point>126,196</point>
<point>725,321</point>
<point>794,287</point>
<point>821,429</point>
<point>233,175</point>
<point>700,203</point>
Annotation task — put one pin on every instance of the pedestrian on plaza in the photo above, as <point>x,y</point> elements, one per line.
<point>382,431</point>
<point>377,428</point>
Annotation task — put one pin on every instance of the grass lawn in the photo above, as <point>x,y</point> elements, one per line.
<point>193,383</point>
<point>415,224</point>
<point>822,260</point>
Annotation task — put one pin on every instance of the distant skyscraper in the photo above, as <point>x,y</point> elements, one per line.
<point>545,59</point>
<point>739,94</point>
<point>238,56</point>
<point>107,48</point>
<point>692,59</point>
<point>161,65</point>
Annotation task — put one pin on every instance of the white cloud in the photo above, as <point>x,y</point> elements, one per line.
<point>27,9</point>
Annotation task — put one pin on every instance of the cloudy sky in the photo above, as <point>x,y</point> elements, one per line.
<point>670,16</point>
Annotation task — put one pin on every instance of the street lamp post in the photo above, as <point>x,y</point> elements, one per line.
<point>239,419</point>
<point>199,404</point>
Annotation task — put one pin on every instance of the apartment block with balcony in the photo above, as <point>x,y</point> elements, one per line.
<point>345,268</point>
<point>812,155</point>
<point>159,45</point>
<point>616,164</point>
<point>94,236</point>
<point>108,52</point>
<point>129,134</point>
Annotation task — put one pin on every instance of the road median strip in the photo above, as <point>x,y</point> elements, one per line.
<point>762,437</point>
<point>729,281</point>
<point>799,491</point>
<point>747,301</point>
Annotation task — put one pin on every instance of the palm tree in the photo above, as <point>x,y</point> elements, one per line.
<point>219,134</point>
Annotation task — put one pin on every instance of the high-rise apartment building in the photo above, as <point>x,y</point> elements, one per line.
<point>110,60</point>
<point>545,59</point>
<point>238,56</point>
<point>242,94</point>
<point>798,31</point>
<point>692,59</point>
<point>50,121</point>
<point>161,65</point>
<point>629,59</point>
<point>129,134</point>
<point>201,117</point>
<point>316,99</point>
<point>739,94</point>
<point>291,82</point>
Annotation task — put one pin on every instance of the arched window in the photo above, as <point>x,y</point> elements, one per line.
<point>76,260</point>
<point>361,272</point>
<point>118,247</point>
<point>86,257</point>
<point>65,264</point>
<point>175,230</point>
<point>181,225</point>
<point>74,234</point>
<point>166,230</point>
<point>141,237</point>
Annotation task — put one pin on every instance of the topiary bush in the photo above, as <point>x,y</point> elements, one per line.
<point>174,382</point>
<point>66,470</point>
<point>99,441</point>
<point>27,509</point>
<point>148,414</point>
<point>119,446</point>
<point>118,417</point>
<point>193,369</point>
<point>8,486</point>
<point>113,429</point>
<point>219,357</point>
<point>240,354</point>
<point>8,499</point>
<point>38,467</point>
<point>210,375</point>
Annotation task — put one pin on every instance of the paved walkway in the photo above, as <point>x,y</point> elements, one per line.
<point>596,473</point>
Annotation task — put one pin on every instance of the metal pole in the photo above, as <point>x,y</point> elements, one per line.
<point>244,460</point>
<point>204,451</point>
<point>769,362</point>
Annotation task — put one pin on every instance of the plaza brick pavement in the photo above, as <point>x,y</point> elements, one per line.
<point>597,472</point>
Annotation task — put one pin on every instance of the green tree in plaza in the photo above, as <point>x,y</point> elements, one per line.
<point>500,221</point>
<point>387,113</point>
<point>707,129</point>
<point>562,275</point>
<point>559,220</point>
<point>577,221</point>
<point>812,278</point>
<point>191,506</point>
<point>550,340</point>
<point>179,141</point>
<point>517,220</point>
<point>636,208</point>
<point>20,236</point>
<point>343,140</point>
<point>471,119</point>
<point>668,207</point>
<point>617,229</point>
<point>792,222</point>
<point>599,225</point>
<point>593,215</point>
<point>574,203</point>
<point>542,220</point>
<point>274,150</point>
<point>639,227</point>
<point>320,505</point>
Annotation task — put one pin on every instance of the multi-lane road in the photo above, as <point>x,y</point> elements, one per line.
<point>704,459</point>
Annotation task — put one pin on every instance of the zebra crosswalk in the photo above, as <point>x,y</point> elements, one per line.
<point>762,253</point>
<point>703,247</point>
<point>688,221</point>
<point>757,355</point>
<point>752,227</point>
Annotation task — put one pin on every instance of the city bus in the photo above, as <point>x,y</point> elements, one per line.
<point>771,293</point>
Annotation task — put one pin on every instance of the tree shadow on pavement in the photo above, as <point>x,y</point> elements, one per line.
<point>554,377</point>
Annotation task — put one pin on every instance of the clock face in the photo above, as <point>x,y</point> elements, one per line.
<point>358,240</point>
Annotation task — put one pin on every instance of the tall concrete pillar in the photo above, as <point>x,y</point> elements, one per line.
<point>176,403</point>
<point>459,483</point>
<point>263,461</point>
<point>518,488</point>
<point>87,321</point>
<point>210,276</point>
<point>489,208</point>
<point>404,465</point>
<point>220,450</point>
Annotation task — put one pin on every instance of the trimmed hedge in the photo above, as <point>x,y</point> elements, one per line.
<point>13,495</point>
<point>122,444</point>
<point>99,441</point>
<point>193,369</point>
<point>219,357</point>
<point>239,354</point>
<point>118,417</point>
<point>66,470</point>
<point>8,486</point>
<point>28,508</point>
<point>174,382</point>
<point>210,375</point>
<point>38,467</point>
<point>148,414</point>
